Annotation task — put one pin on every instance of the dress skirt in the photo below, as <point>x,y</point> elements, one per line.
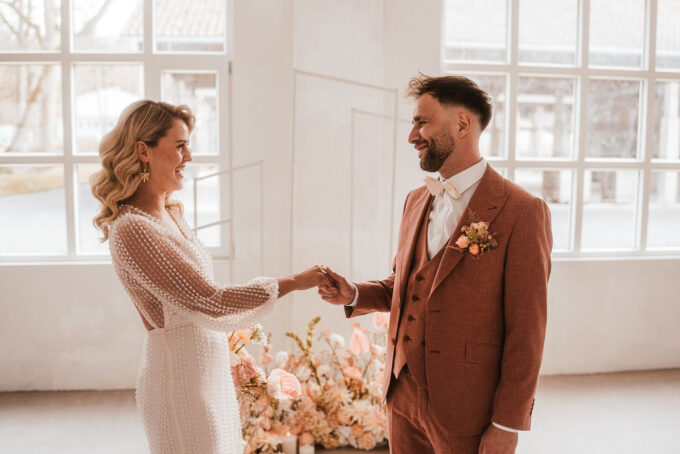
<point>185,393</point>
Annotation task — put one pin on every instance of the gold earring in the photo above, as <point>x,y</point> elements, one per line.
<point>145,174</point>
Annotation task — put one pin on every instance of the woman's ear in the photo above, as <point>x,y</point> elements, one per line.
<point>142,151</point>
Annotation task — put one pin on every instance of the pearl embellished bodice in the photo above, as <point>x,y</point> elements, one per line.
<point>158,268</point>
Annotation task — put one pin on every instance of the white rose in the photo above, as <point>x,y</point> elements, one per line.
<point>337,340</point>
<point>280,358</point>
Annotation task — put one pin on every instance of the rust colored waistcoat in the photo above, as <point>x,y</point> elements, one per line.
<point>410,347</point>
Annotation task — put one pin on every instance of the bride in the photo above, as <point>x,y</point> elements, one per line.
<point>185,392</point>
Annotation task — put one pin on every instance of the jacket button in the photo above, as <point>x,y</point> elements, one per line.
<point>419,277</point>
<point>394,341</point>
<point>415,298</point>
<point>411,318</point>
<point>407,338</point>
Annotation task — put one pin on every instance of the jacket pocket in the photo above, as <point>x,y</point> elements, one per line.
<point>482,353</point>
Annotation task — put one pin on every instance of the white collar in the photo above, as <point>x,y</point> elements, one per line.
<point>463,180</point>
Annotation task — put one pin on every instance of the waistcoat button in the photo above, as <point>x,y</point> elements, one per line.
<point>419,277</point>
<point>407,338</point>
<point>415,298</point>
<point>411,318</point>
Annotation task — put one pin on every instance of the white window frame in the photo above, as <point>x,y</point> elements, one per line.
<point>153,63</point>
<point>512,69</point>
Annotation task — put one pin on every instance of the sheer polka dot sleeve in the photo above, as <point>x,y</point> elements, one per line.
<point>156,270</point>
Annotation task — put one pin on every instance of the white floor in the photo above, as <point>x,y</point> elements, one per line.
<point>624,413</point>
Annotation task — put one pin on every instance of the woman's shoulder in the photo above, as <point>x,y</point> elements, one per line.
<point>131,218</point>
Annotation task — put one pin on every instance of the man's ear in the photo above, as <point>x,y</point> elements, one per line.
<point>464,123</point>
<point>142,151</point>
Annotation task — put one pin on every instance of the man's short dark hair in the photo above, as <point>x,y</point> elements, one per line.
<point>453,90</point>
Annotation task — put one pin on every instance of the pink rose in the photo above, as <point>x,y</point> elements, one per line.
<point>474,249</point>
<point>243,372</point>
<point>359,342</point>
<point>381,319</point>
<point>463,242</point>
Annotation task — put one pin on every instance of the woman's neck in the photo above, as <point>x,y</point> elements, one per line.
<point>149,201</point>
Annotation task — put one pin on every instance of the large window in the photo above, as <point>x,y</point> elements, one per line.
<point>67,69</point>
<point>586,112</point>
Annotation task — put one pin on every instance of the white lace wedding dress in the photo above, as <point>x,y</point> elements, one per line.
<point>185,393</point>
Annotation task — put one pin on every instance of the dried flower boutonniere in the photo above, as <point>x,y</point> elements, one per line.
<point>476,238</point>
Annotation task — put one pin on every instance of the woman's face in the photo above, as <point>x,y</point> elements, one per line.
<point>168,159</point>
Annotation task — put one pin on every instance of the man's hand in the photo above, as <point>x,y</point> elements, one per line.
<point>498,441</point>
<point>335,289</point>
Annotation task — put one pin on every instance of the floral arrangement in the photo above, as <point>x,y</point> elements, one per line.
<point>326,393</point>
<point>476,238</point>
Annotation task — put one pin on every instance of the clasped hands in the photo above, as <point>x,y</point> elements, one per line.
<point>332,287</point>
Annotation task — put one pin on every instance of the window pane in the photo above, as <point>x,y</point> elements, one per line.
<point>617,29</point>
<point>476,31</point>
<point>667,36</point>
<point>30,109</point>
<point>663,226</point>
<point>612,126</point>
<point>547,31</point>
<point>666,131</point>
<point>609,209</point>
<point>108,25</point>
<point>30,26</point>
<point>32,210</point>
<point>198,91</point>
<point>102,92</point>
<point>555,187</point>
<point>87,208</point>
<point>190,26</point>
<point>545,117</point>
<point>208,200</point>
<point>492,140</point>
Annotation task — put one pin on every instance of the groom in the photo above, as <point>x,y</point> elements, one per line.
<point>467,297</point>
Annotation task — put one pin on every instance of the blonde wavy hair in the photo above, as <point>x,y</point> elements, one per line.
<point>120,175</point>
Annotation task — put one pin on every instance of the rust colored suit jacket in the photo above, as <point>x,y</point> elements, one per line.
<point>485,317</point>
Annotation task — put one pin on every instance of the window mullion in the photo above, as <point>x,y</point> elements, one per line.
<point>513,27</point>
<point>647,129</point>
<point>67,112</point>
<point>579,183</point>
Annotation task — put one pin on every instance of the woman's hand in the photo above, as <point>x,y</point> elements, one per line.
<point>308,278</point>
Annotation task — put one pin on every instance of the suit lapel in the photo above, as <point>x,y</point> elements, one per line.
<point>416,216</point>
<point>487,202</point>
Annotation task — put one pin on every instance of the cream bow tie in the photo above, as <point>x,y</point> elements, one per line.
<point>437,187</point>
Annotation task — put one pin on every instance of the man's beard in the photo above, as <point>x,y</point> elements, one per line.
<point>439,148</point>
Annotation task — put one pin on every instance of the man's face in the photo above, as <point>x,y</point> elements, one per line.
<point>431,133</point>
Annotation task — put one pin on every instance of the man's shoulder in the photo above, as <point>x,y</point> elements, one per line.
<point>518,195</point>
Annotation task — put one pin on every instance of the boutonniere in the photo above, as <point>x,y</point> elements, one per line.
<point>476,238</point>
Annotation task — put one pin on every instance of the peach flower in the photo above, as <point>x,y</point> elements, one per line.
<point>343,417</point>
<point>352,372</point>
<point>366,442</point>
<point>357,430</point>
<point>474,249</point>
<point>359,342</point>
<point>306,439</point>
<point>283,385</point>
<point>463,242</point>
<point>381,319</point>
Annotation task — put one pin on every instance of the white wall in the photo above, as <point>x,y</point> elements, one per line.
<point>71,326</point>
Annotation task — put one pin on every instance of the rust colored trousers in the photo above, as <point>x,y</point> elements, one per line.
<point>412,426</point>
